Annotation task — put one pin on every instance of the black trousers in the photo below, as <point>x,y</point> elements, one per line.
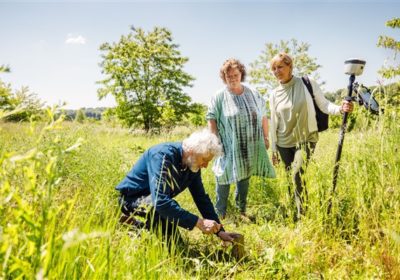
<point>141,207</point>
<point>296,160</point>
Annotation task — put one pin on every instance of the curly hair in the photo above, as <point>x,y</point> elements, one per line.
<point>229,64</point>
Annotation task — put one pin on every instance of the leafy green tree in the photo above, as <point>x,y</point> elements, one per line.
<point>6,102</point>
<point>169,118</point>
<point>109,116</point>
<point>390,72</point>
<point>80,116</point>
<point>261,75</point>
<point>145,75</point>
<point>336,96</point>
<point>5,91</point>
<point>5,69</point>
<point>197,115</point>
<point>21,105</point>
<point>29,105</point>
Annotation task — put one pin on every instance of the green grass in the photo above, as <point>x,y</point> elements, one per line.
<point>59,212</point>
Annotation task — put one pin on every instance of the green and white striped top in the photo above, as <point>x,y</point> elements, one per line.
<point>239,123</point>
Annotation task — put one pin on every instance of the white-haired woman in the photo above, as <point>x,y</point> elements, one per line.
<point>237,114</point>
<point>294,131</point>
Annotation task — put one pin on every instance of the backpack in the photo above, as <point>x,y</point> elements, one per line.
<point>322,118</point>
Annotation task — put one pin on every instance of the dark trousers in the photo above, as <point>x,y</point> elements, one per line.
<point>296,160</point>
<point>133,207</point>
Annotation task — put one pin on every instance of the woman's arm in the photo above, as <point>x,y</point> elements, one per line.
<point>265,130</point>
<point>324,104</point>
<point>328,107</point>
<point>212,125</point>
<point>273,123</point>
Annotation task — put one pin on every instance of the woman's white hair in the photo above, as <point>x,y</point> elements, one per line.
<point>203,142</point>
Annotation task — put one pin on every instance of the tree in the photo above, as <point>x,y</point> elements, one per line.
<point>5,69</point>
<point>145,75</point>
<point>392,69</point>
<point>197,116</point>
<point>387,42</point>
<point>261,75</point>
<point>5,91</point>
<point>29,106</point>
<point>109,116</point>
<point>80,116</point>
<point>21,105</point>
<point>6,102</point>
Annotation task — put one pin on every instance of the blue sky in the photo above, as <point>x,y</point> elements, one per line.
<point>53,47</point>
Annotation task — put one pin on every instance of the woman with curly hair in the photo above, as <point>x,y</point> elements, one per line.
<point>237,114</point>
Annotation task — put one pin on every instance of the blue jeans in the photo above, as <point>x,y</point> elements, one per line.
<point>141,207</point>
<point>242,189</point>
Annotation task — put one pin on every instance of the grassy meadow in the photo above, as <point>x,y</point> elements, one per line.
<point>59,210</point>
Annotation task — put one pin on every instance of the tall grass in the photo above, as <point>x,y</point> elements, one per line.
<point>59,212</point>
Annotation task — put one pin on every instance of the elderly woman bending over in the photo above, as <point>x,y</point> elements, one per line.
<point>237,114</point>
<point>293,122</point>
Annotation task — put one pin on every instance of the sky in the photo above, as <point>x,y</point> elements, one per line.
<point>53,46</point>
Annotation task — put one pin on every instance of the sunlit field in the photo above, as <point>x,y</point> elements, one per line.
<point>59,210</point>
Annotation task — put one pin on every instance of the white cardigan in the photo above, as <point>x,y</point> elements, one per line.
<point>323,104</point>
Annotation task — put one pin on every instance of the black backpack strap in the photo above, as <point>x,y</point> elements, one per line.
<point>307,82</point>
<point>322,118</point>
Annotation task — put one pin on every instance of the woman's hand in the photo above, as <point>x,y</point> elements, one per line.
<point>264,124</point>
<point>275,158</point>
<point>347,107</point>
<point>266,142</point>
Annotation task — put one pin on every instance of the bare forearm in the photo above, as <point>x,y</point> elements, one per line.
<point>212,125</point>
<point>265,127</point>
<point>265,130</point>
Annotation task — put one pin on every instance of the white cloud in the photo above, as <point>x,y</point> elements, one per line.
<point>75,40</point>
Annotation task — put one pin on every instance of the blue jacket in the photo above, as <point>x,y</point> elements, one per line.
<point>159,172</point>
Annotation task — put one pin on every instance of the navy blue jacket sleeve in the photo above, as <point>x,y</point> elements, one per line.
<point>202,200</point>
<point>162,184</point>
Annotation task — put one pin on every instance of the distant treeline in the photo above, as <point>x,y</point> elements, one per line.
<point>90,113</point>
